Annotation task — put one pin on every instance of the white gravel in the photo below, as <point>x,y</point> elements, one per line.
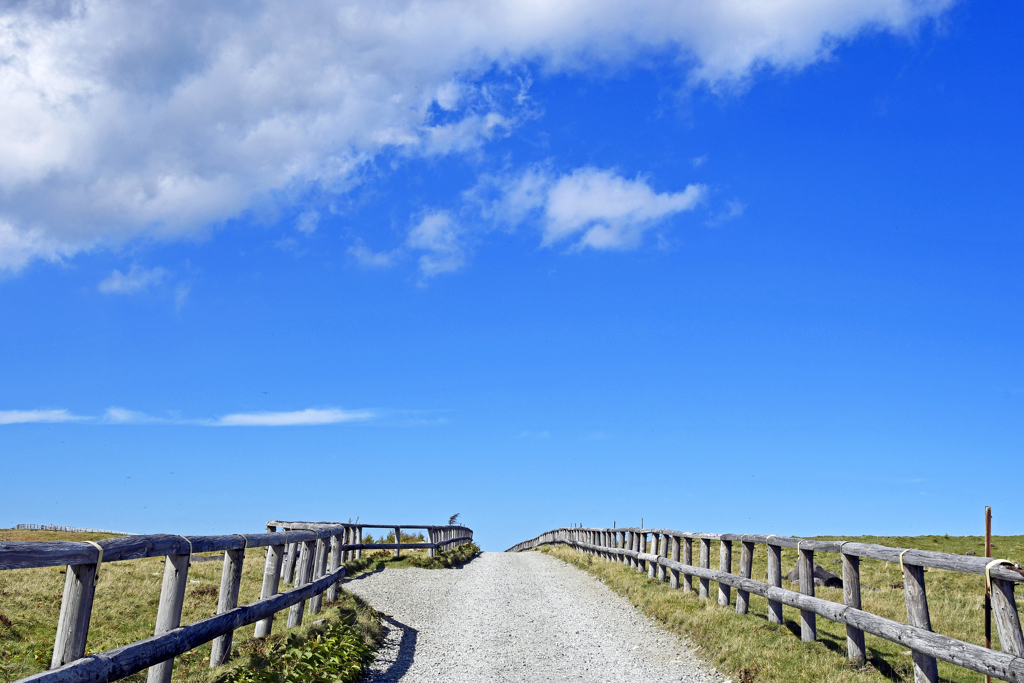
<point>517,617</point>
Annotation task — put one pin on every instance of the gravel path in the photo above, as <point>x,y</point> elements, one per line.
<point>517,617</point>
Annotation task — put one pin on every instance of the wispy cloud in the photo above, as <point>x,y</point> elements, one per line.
<point>733,209</point>
<point>115,415</point>
<point>443,241</point>
<point>9,417</point>
<point>123,416</point>
<point>135,280</point>
<point>310,416</point>
<point>373,259</point>
<point>591,207</point>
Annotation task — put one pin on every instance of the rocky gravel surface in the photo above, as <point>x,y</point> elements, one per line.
<point>517,617</point>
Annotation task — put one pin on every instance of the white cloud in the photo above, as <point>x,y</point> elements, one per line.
<point>595,207</point>
<point>130,119</point>
<point>439,235</point>
<point>115,415</point>
<point>8,417</point>
<point>307,222</point>
<point>611,212</point>
<point>699,161</point>
<point>373,259</point>
<point>733,209</point>
<point>310,416</point>
<point>135,280</point>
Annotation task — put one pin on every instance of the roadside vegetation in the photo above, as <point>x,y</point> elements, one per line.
<point>748,648</point>
<point>339,640</point>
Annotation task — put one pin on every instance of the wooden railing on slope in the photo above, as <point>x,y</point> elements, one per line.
<point>318,551</point>
<point>630,545</point>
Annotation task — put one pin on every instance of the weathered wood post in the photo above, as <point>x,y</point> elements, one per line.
<point>227,600</point>
<point>631,545</point>
<point>688,560</point>
<point>643,549</point>
<point>652,566</point>
<point>431,538</point>
<point>398,541</point>
<point>359,541</point>
<point>662,552</point>
<point>1004,609</point>
<point>289,562</point>
<point>724,565</point>
<point>746,567</point>
<point>303,573</point>
<point>319,571</point>
<point>75,613</point>
<point>332,591</point>
<point>808,619</point>
<point>926,669</point>
<point>168,613</point>
<point>271,583</point>
<point>851,598</point>
<point>705,562</point>
<point>774,579</point>
<point>674,573</point>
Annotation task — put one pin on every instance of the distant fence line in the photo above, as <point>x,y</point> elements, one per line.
<point>309,555</point>
<point>76,529</point>
<point>630,545</point>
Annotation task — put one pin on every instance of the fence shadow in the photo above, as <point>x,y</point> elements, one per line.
<point>404,656</point>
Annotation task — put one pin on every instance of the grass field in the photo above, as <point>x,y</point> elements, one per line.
<point>126,603</point>
<point>751,649</point>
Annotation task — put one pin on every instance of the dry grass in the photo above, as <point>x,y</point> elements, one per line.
<point>736,643</point>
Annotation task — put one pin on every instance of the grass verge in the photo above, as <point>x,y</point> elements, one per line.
<point>751,649</point>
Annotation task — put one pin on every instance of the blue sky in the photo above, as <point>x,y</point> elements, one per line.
<point>749,268</point>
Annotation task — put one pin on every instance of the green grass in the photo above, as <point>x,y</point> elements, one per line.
<point>735,643</point>
<point>127,595</point>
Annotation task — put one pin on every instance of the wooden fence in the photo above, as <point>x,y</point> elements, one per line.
<point>630,546</point>
<point>308,554</point>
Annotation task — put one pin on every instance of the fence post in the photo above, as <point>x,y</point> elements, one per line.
<point>227,600</point>
<point>925,667</point>
<point>398,541</point>
<point>335,564</point>
<point>662,552</point>
<point>688,560</point>
<point>319,570</point>
<point>75,612</point>
<point>289,562</point>
<point>705,562</point>
<point>808,619</point>
<point>359,541</point>
<point>643,549</point>
<point>168,614</point>
<point>774,579</point>
<point>271,583</point>
<point>674,573</point>
<point>724,565</point>
<point>1004,609</point>
<point>746,567</point>
<point>851,598</point>
<point>302,576</point>
<point>631,545</point>
<point>431,538</point>
<point>652,566</point>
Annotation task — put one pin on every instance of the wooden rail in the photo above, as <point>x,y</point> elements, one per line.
<point>631,547</point>
<point>317,551</point>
